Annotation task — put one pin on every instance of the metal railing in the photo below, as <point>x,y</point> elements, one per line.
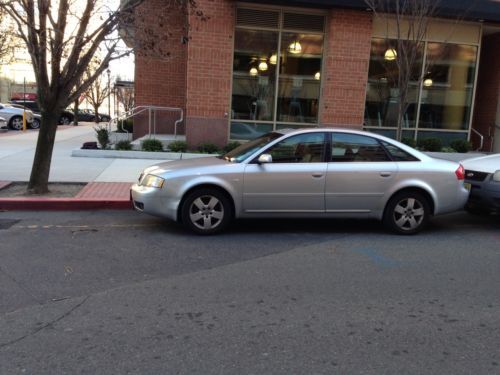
<point>481,137</point>
<point>152,117</point>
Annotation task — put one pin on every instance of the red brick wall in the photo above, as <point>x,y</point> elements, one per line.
<point>209,73</point>
<point>346,68</point>
<point>487,91</point>
<point>160,76</point>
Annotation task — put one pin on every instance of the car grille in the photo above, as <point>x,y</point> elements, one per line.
<point>475,175</point>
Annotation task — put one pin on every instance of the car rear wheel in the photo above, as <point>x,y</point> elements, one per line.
<point>16,123</point>
<point>407,213</point>
<point>206,211</point>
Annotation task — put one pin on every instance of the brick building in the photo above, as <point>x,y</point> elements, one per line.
<point>255,66</point>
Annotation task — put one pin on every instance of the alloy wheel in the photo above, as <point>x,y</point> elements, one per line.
<point>409,214</point>
<point>206,212</point>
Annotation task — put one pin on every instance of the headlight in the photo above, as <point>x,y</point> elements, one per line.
<point>496,176</point>
<point>153,181</point>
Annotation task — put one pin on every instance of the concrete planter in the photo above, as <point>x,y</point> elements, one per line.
<point>116,154</point>
<point>116,137</point>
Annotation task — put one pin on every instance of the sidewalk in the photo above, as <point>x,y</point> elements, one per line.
<point>108,180</point>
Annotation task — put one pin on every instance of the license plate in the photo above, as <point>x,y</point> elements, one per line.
<point>467,186</point>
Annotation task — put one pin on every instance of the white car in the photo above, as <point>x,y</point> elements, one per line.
<point>14,116</point>
<point>483,175</point>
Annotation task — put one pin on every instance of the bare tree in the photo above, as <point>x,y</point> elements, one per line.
<point>97,93</point>
<point>126,97</point>
<point>411,20</point>
<point>7,39</point>
<point>62,37</point>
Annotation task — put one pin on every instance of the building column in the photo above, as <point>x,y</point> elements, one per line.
<point>346,62</point>
<point>209,73</point>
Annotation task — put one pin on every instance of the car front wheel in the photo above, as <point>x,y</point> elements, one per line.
<point>35,124</point>
<point>407,213</point>
<point>64,120</point>
<point>206,211</point>
<point>16,123</point>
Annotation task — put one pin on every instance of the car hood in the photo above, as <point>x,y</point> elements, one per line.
<point>487,164</point>
<point>185,164</point>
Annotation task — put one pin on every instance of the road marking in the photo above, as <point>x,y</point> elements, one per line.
<point>378,259</point>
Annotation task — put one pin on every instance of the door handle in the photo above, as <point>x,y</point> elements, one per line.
<point>317,175</point>
<point>385,174</point>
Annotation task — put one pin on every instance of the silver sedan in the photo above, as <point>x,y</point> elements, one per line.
<point>329,173</point>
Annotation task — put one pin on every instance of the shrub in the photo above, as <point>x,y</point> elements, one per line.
<point>448,149</point>
<point>102,136</point>
<point>461,145</point>
<point>231,146</point>
<point>208,148</point>
<point>430,144</point>
<point>409,142</point>
<point>123,145</point>
<point>126,126</point>
<point>152,144</point>
<point>178,146</point>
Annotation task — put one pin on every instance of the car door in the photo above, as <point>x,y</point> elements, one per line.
<point>359,174</point>
<point>294,182</point>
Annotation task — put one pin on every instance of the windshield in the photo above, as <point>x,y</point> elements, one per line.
<point>242,152</point>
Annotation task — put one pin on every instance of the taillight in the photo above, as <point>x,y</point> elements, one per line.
<point>460,172</point>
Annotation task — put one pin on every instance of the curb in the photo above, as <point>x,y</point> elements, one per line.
<point>62,204</point>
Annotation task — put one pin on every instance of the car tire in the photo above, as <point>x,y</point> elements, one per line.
<point>35,124</point>
<point>206,211</point>
<point>407,212</point>
<point>16,123</point>
<point>64,120</point>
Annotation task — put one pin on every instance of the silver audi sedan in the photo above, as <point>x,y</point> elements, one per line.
<point>313,173</point>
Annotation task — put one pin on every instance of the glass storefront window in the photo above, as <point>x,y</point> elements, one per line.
<point>442,99</point>
<point>300,76</point>
<point>276,72</point>
<point>382,97</point>
<point>448,86</point>
<point>254,75</point>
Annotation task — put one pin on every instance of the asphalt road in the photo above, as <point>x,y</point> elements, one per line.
<point>123,293</point>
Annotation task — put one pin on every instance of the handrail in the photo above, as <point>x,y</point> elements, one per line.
<point>151,121</point>
<point>481,144</point>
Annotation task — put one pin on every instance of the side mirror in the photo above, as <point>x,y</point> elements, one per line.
<point>265,159</point>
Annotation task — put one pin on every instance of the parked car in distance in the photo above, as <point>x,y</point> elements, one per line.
<point>14,116</point>
<point>37,117</point>
<point>320,173</point>
<point>88,115</point>
<point>65,119</point>
<point>483,176</point>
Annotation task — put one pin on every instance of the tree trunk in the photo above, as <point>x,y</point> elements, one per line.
<point>96,109</point>
<point>75,111</point>
<point>39,179</point>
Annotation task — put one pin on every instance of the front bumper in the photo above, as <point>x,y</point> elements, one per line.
<point>153,201</point>
<point>485,194</point>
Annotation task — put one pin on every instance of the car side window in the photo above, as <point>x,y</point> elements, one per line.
<point>302,148</point>
<point>357,148</point>
<point>397,154</point>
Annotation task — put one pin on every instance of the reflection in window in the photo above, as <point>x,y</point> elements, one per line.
<point>254,74</point>
<point>448,87</point>
<point>382,98</point>
<point>357,148</point>
<point>303,148</point>
<point>245,131</point>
